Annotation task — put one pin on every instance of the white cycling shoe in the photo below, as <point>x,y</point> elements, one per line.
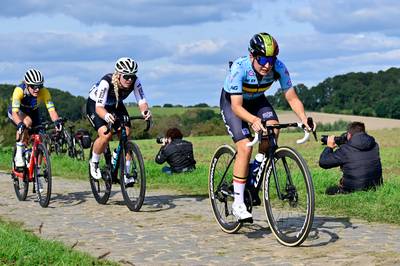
<point>129,181</point>
<point>95,170</point>
<point>241,213</point>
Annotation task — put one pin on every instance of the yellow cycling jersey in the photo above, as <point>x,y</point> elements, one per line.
<point>24,101</point>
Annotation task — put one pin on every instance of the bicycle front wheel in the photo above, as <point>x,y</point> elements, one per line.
<point>101,188</point>
<point>220,188</point>
<point>132,176</point>
<point>289,197</point>
<point>42,174</point>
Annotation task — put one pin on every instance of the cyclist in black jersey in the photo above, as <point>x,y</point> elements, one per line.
<point>243,102</point>
<point>106,97</point>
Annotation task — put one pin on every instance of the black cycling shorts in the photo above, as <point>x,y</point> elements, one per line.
<point>98,122</point>
<point>237,128</point>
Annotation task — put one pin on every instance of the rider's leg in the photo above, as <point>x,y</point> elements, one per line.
<point>21,140</point>
<point>128,158</point>
<point>100,143</point>
<point>240,173</point>
<point>241,169</point>
<point>99,147</point>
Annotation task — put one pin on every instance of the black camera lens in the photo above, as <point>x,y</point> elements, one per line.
<point>324,139</point>
<point>159,140</point>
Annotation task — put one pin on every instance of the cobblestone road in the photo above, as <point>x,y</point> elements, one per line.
<point>180,230</point>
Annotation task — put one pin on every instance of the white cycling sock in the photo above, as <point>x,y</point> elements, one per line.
<point>239,191</point>
<point>128,166</point>
<point>95,157</point>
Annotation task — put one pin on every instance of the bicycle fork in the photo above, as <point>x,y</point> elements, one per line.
<point>290,189</point>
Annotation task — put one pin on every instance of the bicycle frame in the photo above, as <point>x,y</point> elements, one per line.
<point>123,139</point>
<point>269,162</point>
<point>115,164</point>
<point>36,140</point>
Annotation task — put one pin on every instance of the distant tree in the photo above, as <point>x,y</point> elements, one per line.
<point>168,105</point>
<point>201,105</point>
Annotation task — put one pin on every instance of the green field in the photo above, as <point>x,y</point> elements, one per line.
<point>167,111</point>
<point>379,206</point>
<point>20,247</point>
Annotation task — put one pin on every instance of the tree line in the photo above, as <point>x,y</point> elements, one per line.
<point>366,94</point>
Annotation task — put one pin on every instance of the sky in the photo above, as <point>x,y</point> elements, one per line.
<point>183,46</point>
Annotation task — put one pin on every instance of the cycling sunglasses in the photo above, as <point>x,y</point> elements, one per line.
<point>36,87</point>
<point>263,60</point>
<point>128,77</point>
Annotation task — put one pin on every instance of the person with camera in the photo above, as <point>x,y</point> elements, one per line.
<point>358,157</point>
<point>178,153</point>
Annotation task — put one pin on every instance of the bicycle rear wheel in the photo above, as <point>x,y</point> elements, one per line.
<point>132,176</point>
<point>21,185</point>
<point>101,188</point>
<point>42,174</point>
<point>289,197</point>
<point>79,152</point>
<point>220,188</point>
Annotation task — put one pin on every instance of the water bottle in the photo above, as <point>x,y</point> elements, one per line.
<point>114,157</point>
<point>253,169</point>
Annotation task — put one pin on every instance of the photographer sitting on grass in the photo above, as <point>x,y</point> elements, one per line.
<point>178,153</point>
<point>358,158</point>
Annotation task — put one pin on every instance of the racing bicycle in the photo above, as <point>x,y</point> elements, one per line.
<point>287,186</point>
<point>37,169</point>
<point>128,161</point>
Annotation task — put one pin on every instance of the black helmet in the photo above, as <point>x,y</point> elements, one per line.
<point>263,44</point>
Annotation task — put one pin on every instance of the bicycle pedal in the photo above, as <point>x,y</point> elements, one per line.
<point>20,169</point>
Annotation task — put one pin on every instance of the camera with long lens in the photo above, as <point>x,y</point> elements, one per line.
<point>160,140</point>
<point>339,140</point>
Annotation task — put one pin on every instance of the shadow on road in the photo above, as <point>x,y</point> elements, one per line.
<point>323,231</point>
<point>166,202</point>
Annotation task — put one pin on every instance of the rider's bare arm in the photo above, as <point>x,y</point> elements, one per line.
<point>296,104</point>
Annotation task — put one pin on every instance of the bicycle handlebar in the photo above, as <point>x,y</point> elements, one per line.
<point>310,122</point>
<point>126,119</point>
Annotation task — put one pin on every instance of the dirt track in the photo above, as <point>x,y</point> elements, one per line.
<point>173,229</point>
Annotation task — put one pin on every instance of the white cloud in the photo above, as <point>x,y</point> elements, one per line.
<point>51,46</point>
<point>149,13</point>
<point>350,16</point>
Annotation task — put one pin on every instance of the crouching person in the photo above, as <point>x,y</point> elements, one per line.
<point>178,153</point>
<point>358,157</point>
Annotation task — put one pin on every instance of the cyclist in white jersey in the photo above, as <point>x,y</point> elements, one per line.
<point>106,98</point>
<point>243,102</point>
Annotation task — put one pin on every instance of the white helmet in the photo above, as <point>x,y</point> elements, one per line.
<point>126,65</point>
<point>33,77</point>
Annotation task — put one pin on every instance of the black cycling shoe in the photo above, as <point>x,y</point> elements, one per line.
<point>333,190</point>
<point>248,220</point>
<point>256,201</point>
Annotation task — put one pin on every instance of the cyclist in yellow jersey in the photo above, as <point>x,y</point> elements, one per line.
<point>24,112</point>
